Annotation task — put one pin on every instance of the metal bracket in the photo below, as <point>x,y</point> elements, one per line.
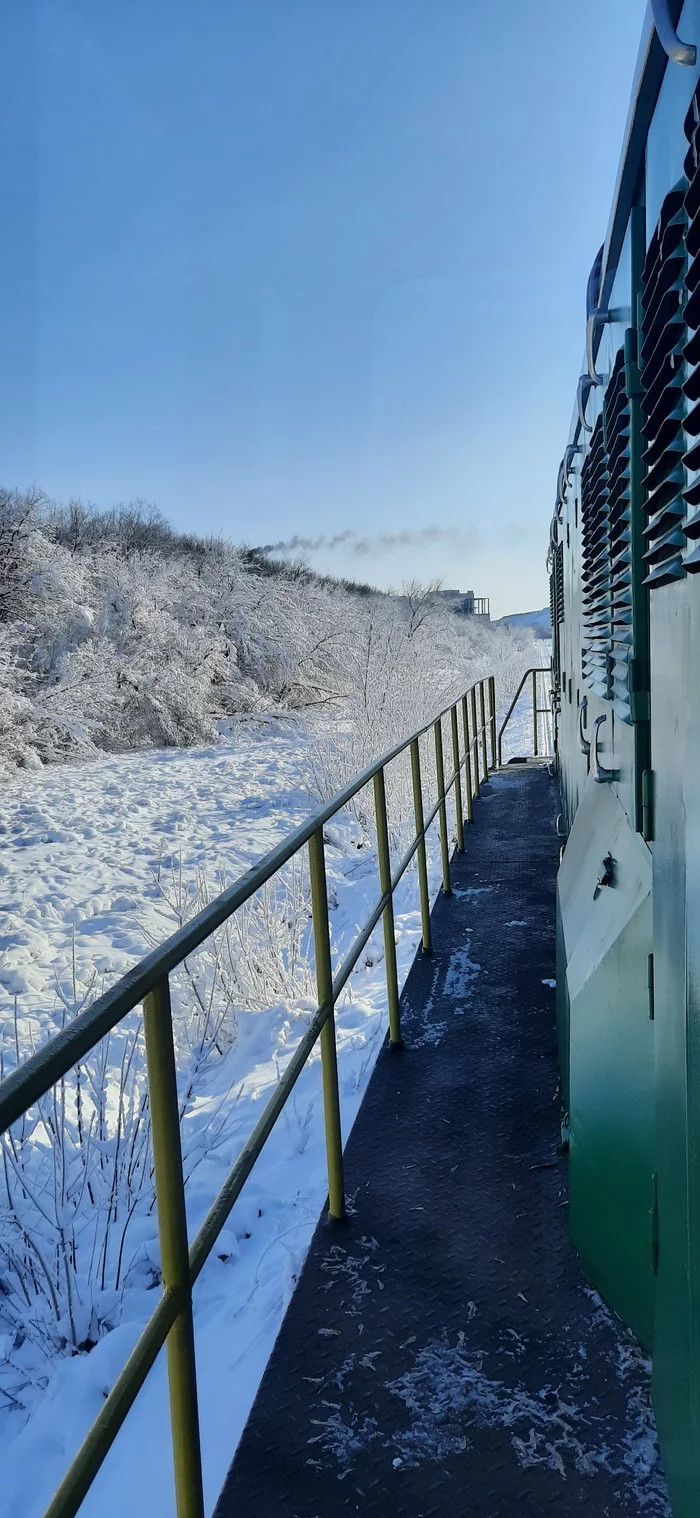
<point>678,52</point>
<point>608,876</point>
<point>583,743</point>
<point>600,774</point>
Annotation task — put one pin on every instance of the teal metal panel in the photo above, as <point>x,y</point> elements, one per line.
<point>604,942</point>
<point>562,1014</point>
<point>676,1368</point>
<point>611,1155</point>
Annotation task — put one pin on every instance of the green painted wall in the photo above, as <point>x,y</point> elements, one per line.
<point>605,939</point>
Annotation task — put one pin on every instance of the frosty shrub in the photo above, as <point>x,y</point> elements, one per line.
<point>407,657</point>
<point>259,958</point>
<point>73,1177</point>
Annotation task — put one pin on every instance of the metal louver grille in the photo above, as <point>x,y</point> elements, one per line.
<point>558,608</point>
<point>663,403</point>
<point>616,436</point>
<point>595,570</point>
<point>556,605</point>
<point>691,387</point>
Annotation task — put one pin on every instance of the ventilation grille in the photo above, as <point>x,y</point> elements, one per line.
<point>558,608</point>
<point>616,435</point>
<point>555,624</point>
<point>691,387</point>
<point>663,337</point>
<point>595,570</point>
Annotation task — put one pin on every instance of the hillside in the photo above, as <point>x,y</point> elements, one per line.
<point>539,621</point>
<point>118,633</point>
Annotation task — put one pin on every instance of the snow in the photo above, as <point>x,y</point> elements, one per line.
<point>102,861</point>
<point>447,1391</point>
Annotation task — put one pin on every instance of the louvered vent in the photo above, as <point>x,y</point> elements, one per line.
<point>556,605</point>
<point>558,608</point>
<point>691,387</point>
<point>555,625</point>
<point>616,437</point>
<point>595,569</point>
<point>662,370</point>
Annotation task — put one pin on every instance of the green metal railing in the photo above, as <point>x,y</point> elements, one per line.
<point>537,711</point>
<point>148,984</point>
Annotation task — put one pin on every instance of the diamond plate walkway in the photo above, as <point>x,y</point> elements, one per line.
<point>441,1355</point>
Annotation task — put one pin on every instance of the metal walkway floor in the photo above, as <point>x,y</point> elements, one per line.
<point>441,1354</point>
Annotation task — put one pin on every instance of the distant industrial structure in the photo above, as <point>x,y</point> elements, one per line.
<point>466,604</point>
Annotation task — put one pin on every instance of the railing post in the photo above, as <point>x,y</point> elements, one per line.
<point>458,780</point>
<point>475,741</point>
<point>467,760</point>
<point>392,980</point>
<point>420,852</point>
<point>534,709</point>
<point>442,811</point>
<point>492,704</point>
<point>482,709</point>
<point>175,1266</point>
<point>329,1059</point>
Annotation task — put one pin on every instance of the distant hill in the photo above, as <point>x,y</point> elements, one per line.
<point>539,620</point>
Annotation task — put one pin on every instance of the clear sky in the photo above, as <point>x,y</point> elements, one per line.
<point>309,267</point>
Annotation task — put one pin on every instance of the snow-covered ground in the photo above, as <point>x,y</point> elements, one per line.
<point>97,862</point>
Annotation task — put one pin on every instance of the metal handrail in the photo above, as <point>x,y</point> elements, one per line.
<point>570,453</point>
<point>677,51</point>
<point>171,1323</point>
<point>585,385</point>
<point>595,319</point>
<point>601,775</point>
<point>583,742</point>
<point>537,711</point>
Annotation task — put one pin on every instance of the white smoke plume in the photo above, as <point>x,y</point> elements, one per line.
<point>380,542</point>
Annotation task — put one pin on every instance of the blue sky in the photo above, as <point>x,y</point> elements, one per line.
<point>305,267</point>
